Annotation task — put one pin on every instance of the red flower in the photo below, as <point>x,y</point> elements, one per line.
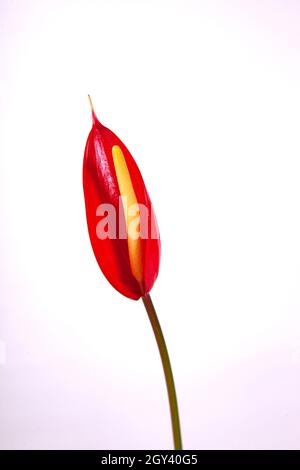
<point>120,218</point>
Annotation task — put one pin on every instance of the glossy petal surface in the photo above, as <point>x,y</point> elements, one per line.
<point>101,186</point>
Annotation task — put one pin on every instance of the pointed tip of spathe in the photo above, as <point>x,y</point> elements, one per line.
<point>94,117</point>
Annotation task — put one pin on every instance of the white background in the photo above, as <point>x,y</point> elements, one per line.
<point>206,96</point>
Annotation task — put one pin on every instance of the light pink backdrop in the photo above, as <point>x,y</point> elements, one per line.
<point>206,96</point>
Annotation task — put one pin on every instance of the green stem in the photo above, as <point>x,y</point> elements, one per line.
<point>167,370</point>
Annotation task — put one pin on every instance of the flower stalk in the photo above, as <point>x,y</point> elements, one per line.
<point>165,359</point>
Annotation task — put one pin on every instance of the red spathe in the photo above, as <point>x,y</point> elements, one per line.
<point>100,186</point>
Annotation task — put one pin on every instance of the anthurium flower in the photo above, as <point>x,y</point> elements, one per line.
<point>124,234</point>
<point>121,221</point>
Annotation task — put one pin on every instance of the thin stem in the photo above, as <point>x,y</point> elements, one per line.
<point>167,370</point>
